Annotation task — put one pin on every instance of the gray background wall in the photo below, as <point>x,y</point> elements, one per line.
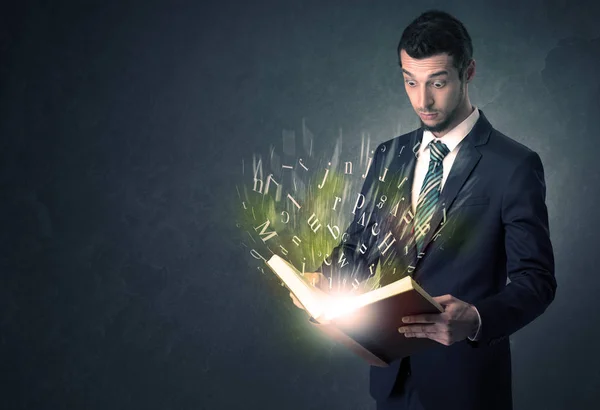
<point>122,128</point>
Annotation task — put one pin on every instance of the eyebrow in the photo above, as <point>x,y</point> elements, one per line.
<point>436,74</point>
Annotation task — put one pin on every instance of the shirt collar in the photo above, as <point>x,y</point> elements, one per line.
<point>453,137</point>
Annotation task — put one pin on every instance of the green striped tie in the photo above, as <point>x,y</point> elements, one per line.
<point>430,191</point>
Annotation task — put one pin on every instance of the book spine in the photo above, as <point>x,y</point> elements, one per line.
<point>337,335</point>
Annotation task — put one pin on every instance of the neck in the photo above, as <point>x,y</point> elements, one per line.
<point>461,114</point>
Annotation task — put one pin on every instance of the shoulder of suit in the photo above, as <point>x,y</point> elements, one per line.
<point>508,148</point>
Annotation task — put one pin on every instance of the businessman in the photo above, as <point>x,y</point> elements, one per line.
<point>471,227</point>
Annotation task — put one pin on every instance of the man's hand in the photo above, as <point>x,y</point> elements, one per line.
<point>458,321</point>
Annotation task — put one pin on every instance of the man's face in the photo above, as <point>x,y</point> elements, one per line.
<point>433,87</point>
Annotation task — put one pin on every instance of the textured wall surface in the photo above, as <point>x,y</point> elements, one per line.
<point>122,128</point>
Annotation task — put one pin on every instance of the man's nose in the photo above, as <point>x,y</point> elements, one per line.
<point>425,98</point>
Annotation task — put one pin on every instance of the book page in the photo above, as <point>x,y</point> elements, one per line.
<point>312,298</point>
<point>325,307</point>
<point>341,306</point>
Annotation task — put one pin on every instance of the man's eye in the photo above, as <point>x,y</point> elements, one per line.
<point>438,85</point>
<point>411,83</point>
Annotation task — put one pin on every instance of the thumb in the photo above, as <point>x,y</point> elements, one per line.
<point>313,277</point>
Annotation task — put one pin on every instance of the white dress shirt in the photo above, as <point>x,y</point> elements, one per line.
<point>452,138</point>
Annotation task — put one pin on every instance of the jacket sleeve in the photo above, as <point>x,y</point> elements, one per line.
<point>354,259</point>
<point>529,257</point>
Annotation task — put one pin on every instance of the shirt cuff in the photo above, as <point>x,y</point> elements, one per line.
<point>478,327</point>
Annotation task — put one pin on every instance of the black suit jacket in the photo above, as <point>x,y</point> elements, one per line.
<point>491,224</point>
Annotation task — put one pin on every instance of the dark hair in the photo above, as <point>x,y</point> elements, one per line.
<point>435,32</point>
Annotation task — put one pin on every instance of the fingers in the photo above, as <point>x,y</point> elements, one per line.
<point>314,278</point>
<point>422,329</point>
<point>317,279</point>
<point>428,331</point>
<point>425,318</point>
<point>444,299</point>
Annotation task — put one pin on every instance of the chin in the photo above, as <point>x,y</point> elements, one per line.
<point>437,125</point>
<point>438,120</point>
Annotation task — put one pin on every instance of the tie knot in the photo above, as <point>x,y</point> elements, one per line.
<point>438,151</point>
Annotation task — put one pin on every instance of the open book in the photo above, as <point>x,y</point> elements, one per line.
<point>366,323</point>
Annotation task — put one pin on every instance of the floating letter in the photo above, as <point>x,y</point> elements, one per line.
<point>384,242</point>
<point>416,149</point>
<point>371,270</point>
<point>368,166</point>
<point>356,205</point>
<point>402,182</point>
<point>278,189</point>
<point>422,229</point>
<point>361,220</point>
<point>294,201</point>
<point>408,218</point>
<point>382,178</point>
<point>314,222</point>
<point>337,199</point>
<point>320,186</point>
<point>348,167</point>
<point>342,260</point>
<point>263,231</point>
<point>302,165</point>
<point>256,181</point>
<point>256,255</point>
<point>395,209</point>
<point>337,229</point>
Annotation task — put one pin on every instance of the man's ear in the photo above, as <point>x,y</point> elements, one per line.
<point>470,71</point>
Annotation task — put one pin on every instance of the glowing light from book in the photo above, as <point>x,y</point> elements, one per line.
<point>339,306</point>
